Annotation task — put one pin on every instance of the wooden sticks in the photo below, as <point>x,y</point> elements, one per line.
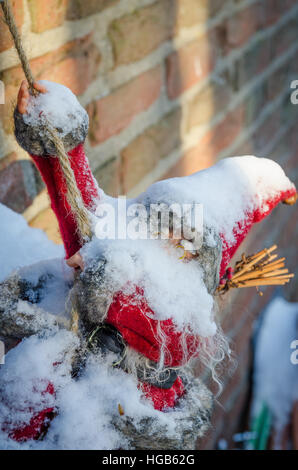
<point>260,269</point>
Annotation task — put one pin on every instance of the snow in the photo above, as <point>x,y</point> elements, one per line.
<point>275,376</point>
<point>172,288</point>
<point>59,279</point>
<point>229,191</point>
<point>59,106</point>
<point>85,406</point>
<point>21,245</point>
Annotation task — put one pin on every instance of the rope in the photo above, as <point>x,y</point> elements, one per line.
<point>10,21</point>
<point>74,197</point>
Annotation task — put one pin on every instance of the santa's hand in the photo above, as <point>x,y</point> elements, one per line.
<point>23,95</point>
<point>54,106</point>
<point>76,261</point>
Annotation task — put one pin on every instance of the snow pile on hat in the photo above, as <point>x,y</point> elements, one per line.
<point>235,193</point>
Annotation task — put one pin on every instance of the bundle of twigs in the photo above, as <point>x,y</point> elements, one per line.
<point>260,269</point>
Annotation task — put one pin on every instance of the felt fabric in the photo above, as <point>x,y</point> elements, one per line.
<point>52,175</point>
<point>38,423</point>
<point>36,427</point>
<point>132,316</point>
<point>241,230</point>
<point>163,399</point>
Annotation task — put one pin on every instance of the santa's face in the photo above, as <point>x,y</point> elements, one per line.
<point>185,247</point>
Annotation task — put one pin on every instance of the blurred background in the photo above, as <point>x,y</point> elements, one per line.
<point>171,87</point>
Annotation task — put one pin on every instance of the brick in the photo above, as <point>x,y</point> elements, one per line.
<point>264,133</point>
<point>232,316</point>
<point>230,407</point>
<point>274,9</point>
<point>6,110</point>
<point>190,64</point>
<point>6,41</point>
<point>7,160</point>
<point>80,55</point>
<point>205,153</point>
<point>239,28</point>
<point>190,162</point>
<point>136,35</point>
<point>74,65</point>
<point>205,105</point>
<point>235,380</point>
<point>193,12</point>
<point>244,148</point>
<point>284,38</point>
<point>108,177</point>
<point>19,185</point>
<point>234,418</point>
<point>216,6</point>
<point>244,334</point>
<point>253,62</point>
<point>255,103</point>
<point>78,9</point>
<point>242,26</point>
<point>110,115</point>
<point>278,81</point>
<point>47,15</point>
<point>223,135</point>
<point>293,65</point>
<point>144,152</point>
<point>289,111</point>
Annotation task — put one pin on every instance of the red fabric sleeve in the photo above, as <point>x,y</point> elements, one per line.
<point>52,175</point>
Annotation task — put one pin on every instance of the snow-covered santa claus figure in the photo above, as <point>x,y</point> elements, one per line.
<point>149,302</point>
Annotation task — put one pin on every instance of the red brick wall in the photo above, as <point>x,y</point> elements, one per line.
<point>170,86</point>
